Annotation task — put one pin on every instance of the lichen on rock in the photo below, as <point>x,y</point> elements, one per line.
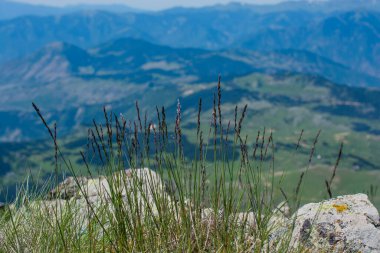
<point>344,224</point>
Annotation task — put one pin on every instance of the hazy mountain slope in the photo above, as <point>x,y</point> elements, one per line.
<point>10,9</point>
<point>81,29</point>
<point>332,35</point>
<point>14,9</point>
<point>336,37</point>
<point>302,61</point>
<point>55,61</point>
<point>204,28</point>
<point>73,82</point>
<point>139,61</point>
<point>120,59</point>
<point>326,6</point>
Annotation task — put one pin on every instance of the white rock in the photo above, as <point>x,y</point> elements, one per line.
<point>344,224</point>
<point>144,184</point>
<point>282,209</point>
<point>246,218</point>
<point>68,188</point>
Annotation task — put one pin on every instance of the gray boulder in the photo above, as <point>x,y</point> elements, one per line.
<point>67,189</point>
<point>344,224</point>
<point>144,184</point>
<point>79,201</point>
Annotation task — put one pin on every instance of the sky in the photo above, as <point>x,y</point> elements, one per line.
<point>145,4</point>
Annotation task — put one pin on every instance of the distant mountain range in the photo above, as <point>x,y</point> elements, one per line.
<point>138,60</point>
<point>332,35</point>
<point>351,38</point>
<point>14,9</point>
<point>326,6</point>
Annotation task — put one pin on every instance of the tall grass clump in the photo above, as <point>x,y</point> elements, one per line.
<point>217,198</point>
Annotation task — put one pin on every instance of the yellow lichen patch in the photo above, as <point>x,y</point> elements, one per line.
<point>340,208</point>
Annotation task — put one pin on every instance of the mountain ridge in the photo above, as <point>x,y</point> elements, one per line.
<point>334,35</point>
<point>14,9</point>
<point>116,58</point>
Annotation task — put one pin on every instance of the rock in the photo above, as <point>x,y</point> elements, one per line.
<point>279,216</point>
<point>208,215</point>
<point>344,224</point>
<point>144,183</point>
<point>246,218</point>
<point>68,188</point>
<point>282,209</point>
<point>95,187</point>
<point>144,179</point>
<point>127,188</point>
<point>279,220</point>
<point>2,205</point>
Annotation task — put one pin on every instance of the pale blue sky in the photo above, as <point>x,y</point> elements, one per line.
<point>145,4</point>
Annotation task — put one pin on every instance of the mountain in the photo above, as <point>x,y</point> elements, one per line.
<point>10,10</point>
<point>336,37</point>
<point>73,82</point>
<point>57,60</point>
<point>138,60</point>
<point>81,29</point>
<point>14,9</point>
<point>332,35</point>
<point>326,6</point>
<point>206,28</point>
<point>125,58</point>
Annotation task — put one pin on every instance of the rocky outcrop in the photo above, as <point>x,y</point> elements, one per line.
<point>131,186</point>
<point>101,187</point>
<point>344,224</point>
<point>82,198</point>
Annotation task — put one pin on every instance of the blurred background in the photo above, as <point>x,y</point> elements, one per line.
<point>298,65</point>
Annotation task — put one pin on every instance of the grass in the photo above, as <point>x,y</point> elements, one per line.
<point>222,199</point>
<point>267,106</point>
